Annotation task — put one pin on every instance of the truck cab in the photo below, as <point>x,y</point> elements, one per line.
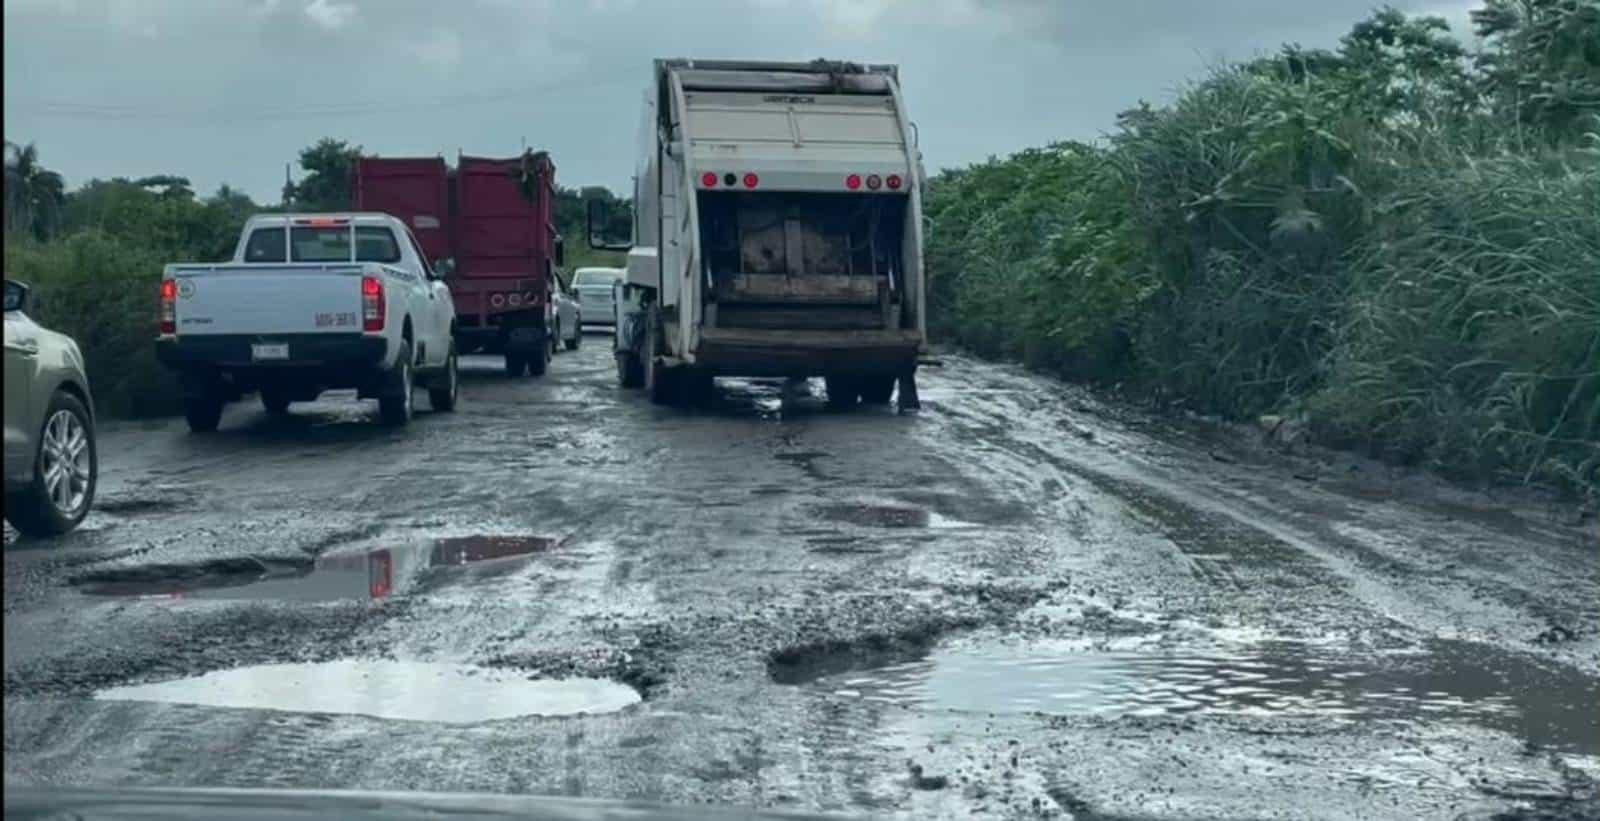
<point>778,231</point>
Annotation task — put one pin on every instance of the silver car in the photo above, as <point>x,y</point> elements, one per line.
<point>51,465</point>
<point>594,287</point>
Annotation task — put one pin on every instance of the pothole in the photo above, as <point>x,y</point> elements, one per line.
<point>375,573</point>
<point>1547,705</point>
<point>403,690</point>
<point>867,514</point>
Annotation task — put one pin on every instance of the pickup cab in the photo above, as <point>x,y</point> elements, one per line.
<point>310,303</point>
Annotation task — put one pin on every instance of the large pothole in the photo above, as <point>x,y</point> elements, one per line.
<point>1547,705</point>
<point>405,690</point>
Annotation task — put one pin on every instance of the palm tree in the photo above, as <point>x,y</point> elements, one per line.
<point>34,195</point>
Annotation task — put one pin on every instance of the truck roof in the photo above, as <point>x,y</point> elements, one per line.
<point>353,216</point>
<point>826,76</point>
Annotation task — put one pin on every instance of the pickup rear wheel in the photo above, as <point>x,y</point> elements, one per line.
<point>442,396</point>
<point>203,413</point>
<point>394,406</point>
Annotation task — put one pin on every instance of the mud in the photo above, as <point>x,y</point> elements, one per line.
<point>1025,601</point>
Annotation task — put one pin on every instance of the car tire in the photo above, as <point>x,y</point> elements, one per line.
<point>66,449</point>
<point>277,404</point>
<point>555,341</point>
<point>202,412</point>
<point>395,405</point>
<point>577,337</point>
<point>443,397</point>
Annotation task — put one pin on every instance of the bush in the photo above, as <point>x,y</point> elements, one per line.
<point>102,291</point>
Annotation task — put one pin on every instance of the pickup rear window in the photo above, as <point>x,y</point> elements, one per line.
<point>373,244</point>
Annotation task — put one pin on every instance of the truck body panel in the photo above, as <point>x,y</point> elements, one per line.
<point>415,190</point>
<point>777,222</point>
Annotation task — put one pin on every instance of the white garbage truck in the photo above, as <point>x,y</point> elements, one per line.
<point>777,232</point>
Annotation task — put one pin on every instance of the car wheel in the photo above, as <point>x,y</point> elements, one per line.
<point>395,407</point>
<point>443,397</point>
<point>577,336</point>
<point>66,468</point>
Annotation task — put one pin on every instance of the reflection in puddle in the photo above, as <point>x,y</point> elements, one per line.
<point>377,573</point>
<point>1546,705</point>
<point>406,690</point>
<point>863,514</point>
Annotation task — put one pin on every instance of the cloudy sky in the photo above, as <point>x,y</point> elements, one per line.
<point>229,90</point>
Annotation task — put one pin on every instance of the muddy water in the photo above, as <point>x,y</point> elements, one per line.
<point>1544,704</point>
<point>376,573</point>
<point>406,690</point>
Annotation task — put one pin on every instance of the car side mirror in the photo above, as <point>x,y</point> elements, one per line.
<point>16,296</point>
<point>599,216</point>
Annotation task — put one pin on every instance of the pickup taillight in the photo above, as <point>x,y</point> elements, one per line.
<point>169,307</point>
<point>372,305</point>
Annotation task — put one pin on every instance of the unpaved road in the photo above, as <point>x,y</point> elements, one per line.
<point>1022,602</point>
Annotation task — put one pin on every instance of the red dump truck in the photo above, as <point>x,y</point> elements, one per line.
<point>490,224</point>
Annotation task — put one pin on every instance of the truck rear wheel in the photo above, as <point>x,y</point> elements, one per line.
<point>630,374</point>
<point>877,390</point>
<point>515,365</point>
<point>276,402</point>
<point>843,391</point>
<point>540,362</point>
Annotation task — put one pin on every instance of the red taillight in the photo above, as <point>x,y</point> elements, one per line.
<point>751,180</point>
<point>893,182</point>
<point>874,182</point>
<point>372,305</point>
<point>853,182</point>
<point>708,179</point>
<point>169,306</point>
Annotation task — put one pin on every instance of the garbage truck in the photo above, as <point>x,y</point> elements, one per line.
<point>777,232</point>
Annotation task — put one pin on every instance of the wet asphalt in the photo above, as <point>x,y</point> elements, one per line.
<point>1024,601</point>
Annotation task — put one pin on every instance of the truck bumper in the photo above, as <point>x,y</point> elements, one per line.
<point>305,350</point>
<point>749,352</point>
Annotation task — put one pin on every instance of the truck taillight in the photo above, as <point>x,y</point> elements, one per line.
<point>751,181</point>
<point>874,181</point>
<point>893,182</point>
<point>852,182</point>
<point>372,306</point>
<point>169,307</point>
<point>708,179</point>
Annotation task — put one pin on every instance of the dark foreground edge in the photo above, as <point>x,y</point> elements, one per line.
<point>258,805</point>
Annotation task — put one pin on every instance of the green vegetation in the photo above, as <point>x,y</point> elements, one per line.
<point>1396,240</point>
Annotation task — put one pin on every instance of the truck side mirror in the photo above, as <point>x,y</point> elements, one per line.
<point>599,218</point>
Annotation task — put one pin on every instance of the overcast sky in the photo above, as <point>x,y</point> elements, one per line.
<point>229,90</point>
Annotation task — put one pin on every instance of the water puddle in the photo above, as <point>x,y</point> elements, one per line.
<point>404,690</point>
<point>377,573</point>
<point>862,514</point>
<point>1550,706</point>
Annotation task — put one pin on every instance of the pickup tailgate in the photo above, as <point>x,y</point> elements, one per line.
<point>263,300</point>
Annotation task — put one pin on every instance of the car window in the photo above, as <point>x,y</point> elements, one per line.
<point>595,277</point>
<point>375,243</point>
<point>265,245</point>
<point>320,244</point>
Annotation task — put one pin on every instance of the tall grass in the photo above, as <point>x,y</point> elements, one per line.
<point>1421,282</point>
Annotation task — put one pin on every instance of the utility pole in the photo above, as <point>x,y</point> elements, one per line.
<point>288,186</point>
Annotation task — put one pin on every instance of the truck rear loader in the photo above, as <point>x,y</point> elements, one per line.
<point>777,232</point>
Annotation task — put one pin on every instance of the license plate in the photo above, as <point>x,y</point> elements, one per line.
<point>265,353</point>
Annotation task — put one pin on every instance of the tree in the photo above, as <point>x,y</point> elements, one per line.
<point>34,195</point>
<point>1544,60</point>
<point>330,176</point>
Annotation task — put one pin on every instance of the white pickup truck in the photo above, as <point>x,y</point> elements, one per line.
<point>310,302</point>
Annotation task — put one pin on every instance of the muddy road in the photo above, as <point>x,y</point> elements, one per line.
<point>1022,602</point>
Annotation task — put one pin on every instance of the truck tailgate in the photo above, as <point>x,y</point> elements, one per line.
<point>268,299</point>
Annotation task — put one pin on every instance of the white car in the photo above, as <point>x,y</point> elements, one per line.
<point>310,302</point>
<point>569,317</point>
<point>596,296</point>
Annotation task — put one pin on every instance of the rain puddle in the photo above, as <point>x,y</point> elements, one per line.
<point>1550,706</point>
<point>405,690</point>
<point>864,514</point>
<point>376,573</point>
